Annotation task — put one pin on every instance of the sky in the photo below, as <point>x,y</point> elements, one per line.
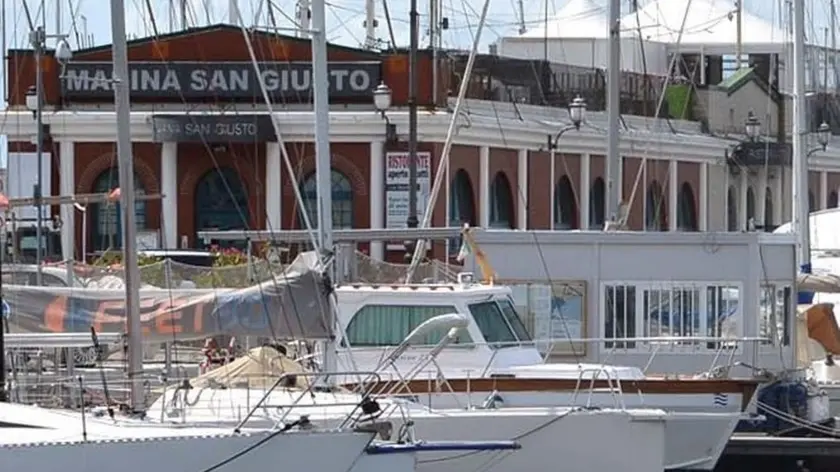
<point>344,18</point>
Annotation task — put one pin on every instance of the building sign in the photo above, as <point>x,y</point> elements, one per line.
<point>284,81</point>
<point>232,128</point>
<point>396,187</point>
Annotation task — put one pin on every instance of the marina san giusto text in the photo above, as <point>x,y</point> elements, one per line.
<point>198,79</point>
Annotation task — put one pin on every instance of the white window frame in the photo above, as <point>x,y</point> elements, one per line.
<point>778,285</point>
<point>639,323</point>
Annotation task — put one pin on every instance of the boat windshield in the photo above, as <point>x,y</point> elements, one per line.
<point>515,321</point>
<point>500,325</point>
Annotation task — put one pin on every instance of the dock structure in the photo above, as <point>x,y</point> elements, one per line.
<point>765,453</point>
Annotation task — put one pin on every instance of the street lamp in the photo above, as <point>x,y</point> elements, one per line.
<point>577,114</point>
<point>752,126</point>
<point>382,102</point>
<point>34,101</point>
<point>577,111</point>
<point>382,98</point>
<point>823,135</point>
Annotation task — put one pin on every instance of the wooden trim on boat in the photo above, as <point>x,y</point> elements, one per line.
<point>650,385</point>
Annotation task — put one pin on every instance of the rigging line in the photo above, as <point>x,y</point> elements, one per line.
<point>286,159</point>
<point>343,24</point>
<point>390,24</point>
<point>537,243</point>
<point>229,191</point>
<point>73,21</point>
<point>447,146</point>
<point>661,99</point>
<point>284,153</point>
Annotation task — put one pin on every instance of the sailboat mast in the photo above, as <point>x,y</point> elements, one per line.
<point>613,190</point>
<point>323,171</point>
<point>125,161</point>
<point>800,159</point>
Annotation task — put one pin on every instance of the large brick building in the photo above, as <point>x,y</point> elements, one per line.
<point>202,139</point>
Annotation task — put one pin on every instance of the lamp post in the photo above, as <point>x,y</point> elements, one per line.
<point>35,103</point>
<point>382,98</point>
<point>823,136</point>
<point>577,114</point>
<point>752,127</point>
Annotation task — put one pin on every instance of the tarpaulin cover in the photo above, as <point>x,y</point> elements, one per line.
<point>293,305</point>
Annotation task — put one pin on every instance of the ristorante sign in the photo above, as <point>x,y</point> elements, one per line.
<point>289,81</point>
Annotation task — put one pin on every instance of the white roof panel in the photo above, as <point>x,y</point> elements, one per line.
<point>577,19</point>
<point>708,22</point>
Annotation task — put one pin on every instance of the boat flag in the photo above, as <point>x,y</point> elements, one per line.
<point>464,251</point>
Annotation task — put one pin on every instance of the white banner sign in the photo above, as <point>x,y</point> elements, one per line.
<point>396,187</point>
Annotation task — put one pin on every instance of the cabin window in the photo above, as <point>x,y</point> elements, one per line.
<point>722,313</point>
<point>514,320</point>
<point>773,314</point>
<point>388,325</point>
<point>491,322</point>
<point>620,319</point>
<point>670,310</point>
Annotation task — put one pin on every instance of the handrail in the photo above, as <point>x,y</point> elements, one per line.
<point>286,375</point>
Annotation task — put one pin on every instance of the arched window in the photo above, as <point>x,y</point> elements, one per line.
<point>768,210</point>
<point>732,209</point>
<point>832,199</point>
<point>107,219</point>
<point>342,200</point>
<point>461,202</point>
<point>501,202</point>
<point>221,203</point>
<point>655,209</point>
<point>686,211</point>
<point>565,205</point>
<point>597,204</point>
<point>811,202</point>
<point>750,208</point>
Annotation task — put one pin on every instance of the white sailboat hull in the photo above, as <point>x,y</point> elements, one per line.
<point>256,451</point>
<point>575,436</point>
<point>697,427</point>
<point>582,441</point>
<point>41,440</point>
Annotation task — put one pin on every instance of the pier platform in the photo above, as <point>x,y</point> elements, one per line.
<point>756,451</point>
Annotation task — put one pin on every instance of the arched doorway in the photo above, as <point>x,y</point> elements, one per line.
<point>501,202</point>
<point>731,209</point>
<point>768,210</point>
<point>221,203</point>
<point>597,204</point>
<point>565,205</point>
<point>686,210</point>
<point>342,200</point>
<point>461,206</point>
<point>106,224</point>
<point>811,202</point>
<point>655,209</point>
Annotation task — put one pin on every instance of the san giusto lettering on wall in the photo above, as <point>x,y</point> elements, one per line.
<point>291,81</point>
